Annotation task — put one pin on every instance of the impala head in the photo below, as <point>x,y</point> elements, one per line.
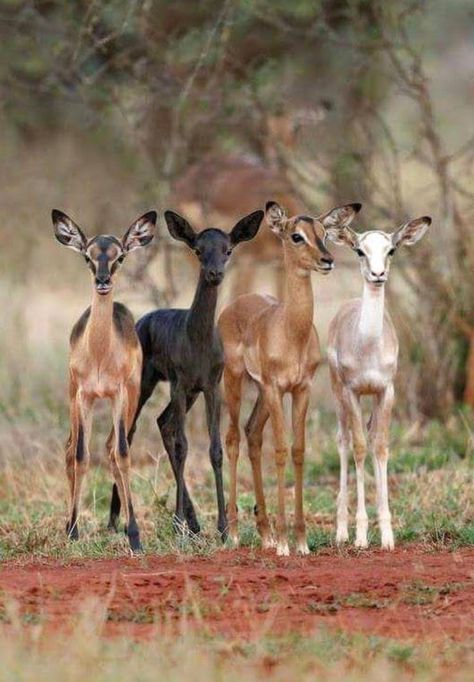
<point>304,236</point>
<point>376,248</point>
<point>213,247</point>
<point>105,253</point>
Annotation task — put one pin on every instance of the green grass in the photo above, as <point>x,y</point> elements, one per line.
<point>429,506</point>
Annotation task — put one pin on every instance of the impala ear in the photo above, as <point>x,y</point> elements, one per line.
<point>411,232</point>
<point>140,233</point>
<point>342,236</point>
<point>67,232</point>
<point>341,216</point>
<point>275,217</point>
<point>180,229</point>
<point>246,228</point>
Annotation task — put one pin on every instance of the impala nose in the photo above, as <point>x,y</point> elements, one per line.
<point>378,275</point>
<point>215,276</point>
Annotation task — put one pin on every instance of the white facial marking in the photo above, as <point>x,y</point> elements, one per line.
<point>304,235</point>
<point>375,263</point>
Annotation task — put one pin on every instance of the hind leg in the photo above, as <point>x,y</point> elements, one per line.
<point>168,437</point>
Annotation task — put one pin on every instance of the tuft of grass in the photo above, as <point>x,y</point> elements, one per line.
<point>31,653</point>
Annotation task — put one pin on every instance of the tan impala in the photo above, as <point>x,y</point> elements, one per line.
<point>276,345</point>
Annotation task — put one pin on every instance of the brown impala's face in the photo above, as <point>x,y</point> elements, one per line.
<point>104,253</point>
<point>304,236</point>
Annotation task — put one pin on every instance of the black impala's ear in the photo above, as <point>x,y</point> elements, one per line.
<point>180,229</point>
<point>140,233</point>
<point>67,232</point>
<point>411,232</point>
<point>246,228</point>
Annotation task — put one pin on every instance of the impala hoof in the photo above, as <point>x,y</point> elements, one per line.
<point>302,549</point>
<point>342,536</point>
<point>73,533</point>
<point>283,549</point>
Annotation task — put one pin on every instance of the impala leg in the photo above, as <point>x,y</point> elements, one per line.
<point>274,403</point>
<point>171,425</point>
<point>352,406</point>
<point>148,382</point>
<point>343,446</point>
<point>254,432</point>
<point>165,424</point>
<point>120,457</point>
<point>299,411</point>
<point>213,413</point>
<point>233,395</point>
<point>383,413</point>
<point>77,456</point>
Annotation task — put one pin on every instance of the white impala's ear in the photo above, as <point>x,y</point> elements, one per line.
<point>67,232</point>
<point>140,233</point>
<point>337,221</point>
<point>411,232</point>
<point>342,236</point>
<point>275,217</point>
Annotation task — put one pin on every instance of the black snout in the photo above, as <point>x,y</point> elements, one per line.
<point>103,283</point>
<point>378,275</point>
<point>214,276</point>
<point>327,260</point>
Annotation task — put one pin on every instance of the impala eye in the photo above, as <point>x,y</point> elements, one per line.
<point>391,252</point>
<point>197,252</point>
<point>229,252</point>
<point>360,253</point>
<point>296,238</point>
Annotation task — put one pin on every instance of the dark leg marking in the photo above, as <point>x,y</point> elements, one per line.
<point>114,509</point>
<point>123,443</point>
<point>80,449</point>
<point>133,532</point>
<point>71,526</point>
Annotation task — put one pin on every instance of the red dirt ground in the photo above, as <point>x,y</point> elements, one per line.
<point>408,593</point>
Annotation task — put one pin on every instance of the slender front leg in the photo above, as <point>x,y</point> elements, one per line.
<point>213,414</point>
<point>273,399</point>
<point>352,406</point>
<point>233,391</point>
<point>148,382</point>
<point>299,411</point>
<point>77,456</point>
<point>343,440</point>
<point>254,432</point>
<point>382,415</point>
<point>120,459</point>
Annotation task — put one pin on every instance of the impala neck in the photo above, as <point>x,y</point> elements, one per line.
<point>203,310</point>
<point>99,328</point>
<point>372,312</point>
<point>298,301</point>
